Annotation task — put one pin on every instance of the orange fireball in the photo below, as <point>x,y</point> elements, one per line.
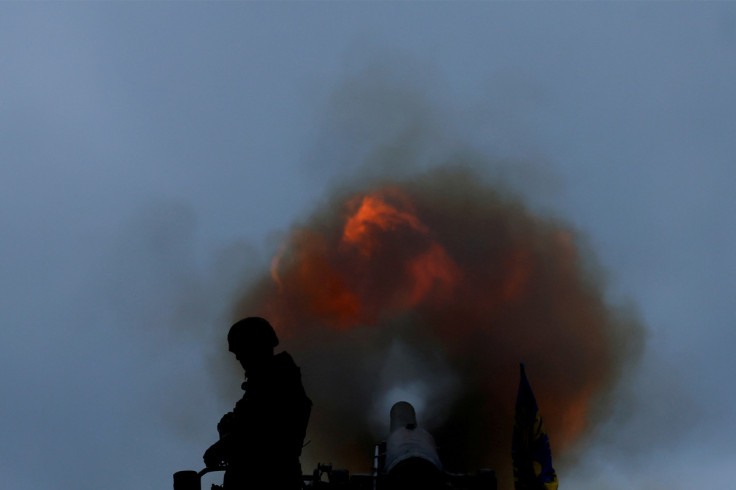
<point>463,284</point>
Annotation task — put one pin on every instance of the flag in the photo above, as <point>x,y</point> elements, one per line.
<point>530,450</point>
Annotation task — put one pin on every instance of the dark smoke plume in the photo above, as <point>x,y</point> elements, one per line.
<point>433,288</point>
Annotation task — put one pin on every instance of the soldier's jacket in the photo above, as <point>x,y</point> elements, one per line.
<point>267,427</point>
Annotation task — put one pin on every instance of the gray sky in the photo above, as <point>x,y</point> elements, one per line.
<point>153,154</point>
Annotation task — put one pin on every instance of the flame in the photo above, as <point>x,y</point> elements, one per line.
<point>469,284</point>
<point>574,416</point>
<point>432,269</point>
<point>373,216</point>
<point>366,228</point>
<point>274,269</point>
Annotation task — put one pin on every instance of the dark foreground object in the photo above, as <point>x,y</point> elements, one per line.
<point>407,460</point>
<point>326,478</point>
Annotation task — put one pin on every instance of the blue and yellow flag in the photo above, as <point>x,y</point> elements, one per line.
<point>530,450</point>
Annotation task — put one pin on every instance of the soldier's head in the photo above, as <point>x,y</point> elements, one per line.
<point>252,340</point>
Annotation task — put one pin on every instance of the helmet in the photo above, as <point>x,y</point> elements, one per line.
<point>250,332</point>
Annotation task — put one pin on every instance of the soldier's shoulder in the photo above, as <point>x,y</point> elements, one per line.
<point>284,362</point>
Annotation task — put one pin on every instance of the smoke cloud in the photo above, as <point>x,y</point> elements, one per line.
<point>420,277</point>
<point>432,289</point>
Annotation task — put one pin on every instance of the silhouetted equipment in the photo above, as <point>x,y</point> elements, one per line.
<point>187,480</point>
<point>407,460</point>
<point>192,480</point>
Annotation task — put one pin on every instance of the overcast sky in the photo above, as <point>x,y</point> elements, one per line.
<point>153,154</point>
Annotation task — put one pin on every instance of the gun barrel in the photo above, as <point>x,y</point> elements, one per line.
<point>411,453</point>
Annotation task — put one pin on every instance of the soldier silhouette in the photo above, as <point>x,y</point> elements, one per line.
<point>262,438</point>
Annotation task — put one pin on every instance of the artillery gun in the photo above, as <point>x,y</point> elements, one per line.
<point>406,460</point>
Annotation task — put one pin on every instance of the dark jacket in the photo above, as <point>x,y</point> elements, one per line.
<point>263,436</point>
